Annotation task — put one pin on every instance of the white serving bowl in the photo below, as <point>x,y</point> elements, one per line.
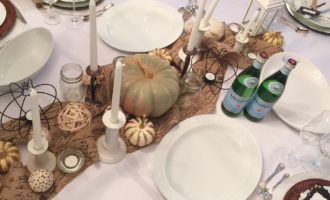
<point>24,56</point>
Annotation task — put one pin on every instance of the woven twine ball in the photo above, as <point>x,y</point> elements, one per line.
<point>41,180</point>
<point>73,117</point>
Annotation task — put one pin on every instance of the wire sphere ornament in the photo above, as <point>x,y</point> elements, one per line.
<point>18,102</point>
<point>215,64</point>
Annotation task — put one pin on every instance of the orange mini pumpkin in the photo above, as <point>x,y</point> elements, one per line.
<point>150,86</point>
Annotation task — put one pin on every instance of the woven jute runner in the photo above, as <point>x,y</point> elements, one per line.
<point>14,183</point>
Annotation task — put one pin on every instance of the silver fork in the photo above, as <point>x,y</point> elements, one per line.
<point>280,167</point>
<point>267,194</point>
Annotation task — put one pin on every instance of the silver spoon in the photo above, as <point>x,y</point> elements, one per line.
<point>99,12</point>
<point>267,194</point>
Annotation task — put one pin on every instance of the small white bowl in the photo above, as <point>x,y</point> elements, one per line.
<point>25,55</point>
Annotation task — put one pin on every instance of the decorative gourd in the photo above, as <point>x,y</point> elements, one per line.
<point>216,30</point>
<point>150,86</point>
<point>8,155</point>
<point>139,131</point>
<point>161,53</point>
<point>274,38</point>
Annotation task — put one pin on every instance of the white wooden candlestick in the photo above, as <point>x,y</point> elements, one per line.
<point>240,42</point>
<point>40,158</point>
<point>110,147</point>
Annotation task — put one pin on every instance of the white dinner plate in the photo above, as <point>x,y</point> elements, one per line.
<point>207,157</point>
<point>3,13</point>
<point>282,189</point>
<point>306,93</point>
<point>25,55</point>
<point>140,25</point>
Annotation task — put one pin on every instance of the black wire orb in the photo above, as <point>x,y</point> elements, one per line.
<point>17,98</point>
<point>215,63</point>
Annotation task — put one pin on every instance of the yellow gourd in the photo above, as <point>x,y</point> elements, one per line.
<point>8,155</point>
<point>274,38</point>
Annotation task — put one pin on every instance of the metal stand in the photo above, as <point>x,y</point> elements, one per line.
<point>185,57</point>
<point>93,83</point>
<point>110,147</point>
<point>40,158</point>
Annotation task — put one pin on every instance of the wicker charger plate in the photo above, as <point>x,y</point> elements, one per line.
<point>295,191</point>
<point>10,20</point>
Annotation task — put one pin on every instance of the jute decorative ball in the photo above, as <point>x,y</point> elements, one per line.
<point>73,117</point>
<point>41,180</point>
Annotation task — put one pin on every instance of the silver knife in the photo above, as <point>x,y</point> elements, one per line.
<point>19,14</point>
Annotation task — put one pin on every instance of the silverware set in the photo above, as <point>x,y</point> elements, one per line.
<point>266,193</point>
<point>99,12</point>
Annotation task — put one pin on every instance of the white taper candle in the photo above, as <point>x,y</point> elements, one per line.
<point>249,26</point>
<point>93,36</point>
<point>37,130</point>
<point>115,102</point>
<point>210,10</point>
<point>196,36</point>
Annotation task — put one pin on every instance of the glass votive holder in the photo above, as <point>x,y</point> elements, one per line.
<point>71,85</point>
<point>191,82</point>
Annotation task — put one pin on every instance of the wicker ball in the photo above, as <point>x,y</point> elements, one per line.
<point>41,180</point>
<point>73,117</point>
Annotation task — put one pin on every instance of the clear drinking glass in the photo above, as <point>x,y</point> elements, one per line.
<point>51,17</point>
<point>75,21</point>
<point>316,133</point>
<point>71,85</point>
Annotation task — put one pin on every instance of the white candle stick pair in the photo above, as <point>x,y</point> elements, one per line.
<point>200,25</point>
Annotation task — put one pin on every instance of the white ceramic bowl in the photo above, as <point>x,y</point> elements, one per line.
<point>24,56</point>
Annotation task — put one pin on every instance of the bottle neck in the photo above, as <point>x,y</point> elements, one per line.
<point>285,70</point>
<point>257,64</point>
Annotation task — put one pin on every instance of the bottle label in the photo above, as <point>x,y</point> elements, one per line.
<point>274,87</point>
<point>233,102</point>
<point>258,108</point>
<point>251,82</point>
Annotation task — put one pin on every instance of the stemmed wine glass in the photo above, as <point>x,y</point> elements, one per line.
<point>51,18</point>
<point>75,21</point>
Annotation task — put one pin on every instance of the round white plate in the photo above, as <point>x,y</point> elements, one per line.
<point>324,18</point>
<point>306,93</point>
<point>140,25</point>
<point>282,189</point>
<point>208,157</point>
<point>25,55</point>
<point>3,13</point>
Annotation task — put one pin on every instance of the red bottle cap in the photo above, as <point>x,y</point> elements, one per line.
<point>291,63</point>
<point>262,57</point>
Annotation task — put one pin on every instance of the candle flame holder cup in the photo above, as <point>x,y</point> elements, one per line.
<point>96,76</point>
<point>110,147</point>
<point>240,43</point>
<point>40,158</point>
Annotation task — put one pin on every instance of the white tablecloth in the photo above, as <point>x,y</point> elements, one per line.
<point>132,177</point>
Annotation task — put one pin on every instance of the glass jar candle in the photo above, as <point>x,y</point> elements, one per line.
<point>72,88</point>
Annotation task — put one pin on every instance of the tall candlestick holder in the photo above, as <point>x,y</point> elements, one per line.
<point>185,59</point>
<point>96,76</point>
<point>110,147</point>
<point>40,158</point>
<point>240,42</point>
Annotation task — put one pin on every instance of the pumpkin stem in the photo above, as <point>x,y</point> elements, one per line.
<point>143,121</point>
<point>147,73</point>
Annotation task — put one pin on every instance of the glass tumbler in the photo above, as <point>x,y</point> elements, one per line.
<point>71,85</point>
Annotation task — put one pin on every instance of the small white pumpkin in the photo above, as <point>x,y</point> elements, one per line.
<point>8,155</point>
<point>216,30</point>
<point>162,53</point>
<point>41,180</point>
<point>140,131</point>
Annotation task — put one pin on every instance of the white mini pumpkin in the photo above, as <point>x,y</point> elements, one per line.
<point>140,131</point>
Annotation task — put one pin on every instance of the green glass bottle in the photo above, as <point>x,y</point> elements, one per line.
<point>243,87</point>
<point>269,91</point>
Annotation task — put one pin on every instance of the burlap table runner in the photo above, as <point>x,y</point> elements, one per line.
<point>15,184</point>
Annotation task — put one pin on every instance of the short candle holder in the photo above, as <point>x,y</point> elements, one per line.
<point>40,158</point>
<point>95,75</point>
<point>185,58</point>
<point>240,43</point>
<point>110,147</point>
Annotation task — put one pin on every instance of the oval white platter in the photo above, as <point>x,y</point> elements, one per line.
<point>306,93</point>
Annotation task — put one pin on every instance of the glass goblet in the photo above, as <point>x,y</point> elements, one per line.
<point>75,21</point>
<point>51,17</point>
